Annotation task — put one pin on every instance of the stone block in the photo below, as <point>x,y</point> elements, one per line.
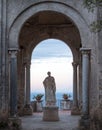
<point>39,106</point>
<point>50,114</point>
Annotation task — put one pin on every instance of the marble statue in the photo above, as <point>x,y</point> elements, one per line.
<point>50,90</point>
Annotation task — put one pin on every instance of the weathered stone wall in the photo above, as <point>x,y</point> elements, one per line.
<point>100,60</point>
<point>16,7</point>
<point>96,91</point>
<point>0,55</point>
<point>4,93</point>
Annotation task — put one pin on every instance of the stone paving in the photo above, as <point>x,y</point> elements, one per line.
<point>35,122</point>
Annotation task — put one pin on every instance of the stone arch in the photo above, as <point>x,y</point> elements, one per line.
<point>66,10</point>
<point>61,8</point>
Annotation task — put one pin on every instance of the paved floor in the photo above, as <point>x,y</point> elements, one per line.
<point>35,122</point>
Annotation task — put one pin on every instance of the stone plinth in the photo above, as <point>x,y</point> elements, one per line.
<point>39,106</point>
<point>27,110</point>
<point>50,114</point>
<point>65,104</point>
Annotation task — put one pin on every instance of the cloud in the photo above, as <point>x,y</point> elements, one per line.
<point>50,60</point>
<point>51,48</point>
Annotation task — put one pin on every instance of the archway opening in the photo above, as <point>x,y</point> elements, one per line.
<point>37,28</point>
<point>42,26</point>
<point>55,56</point>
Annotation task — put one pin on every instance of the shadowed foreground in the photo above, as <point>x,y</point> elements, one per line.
<point>35,122</point>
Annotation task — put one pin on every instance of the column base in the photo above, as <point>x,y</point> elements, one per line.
<point>34,107</point>
<point>3,115</point>
<point>27,110</point>
<point>84,123</point>
<point>75,111</point>
<point>50,114</point>
<point>14,123</point>
<point>20,110</point>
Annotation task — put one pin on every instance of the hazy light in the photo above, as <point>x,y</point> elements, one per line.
<point>55,56</point>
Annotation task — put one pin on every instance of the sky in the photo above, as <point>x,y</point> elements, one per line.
<point>55,56</point>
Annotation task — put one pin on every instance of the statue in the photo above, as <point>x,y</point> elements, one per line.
<point>50,89</point>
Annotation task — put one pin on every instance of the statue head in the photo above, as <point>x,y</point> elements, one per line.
<point>49,73</point>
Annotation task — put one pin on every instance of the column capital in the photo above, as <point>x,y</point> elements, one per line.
<point>13,53</point>
<point>74,64</point>
<point>85,50</point>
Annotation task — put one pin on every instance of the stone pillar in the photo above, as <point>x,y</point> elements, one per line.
<point>4,84</point>
<point>13,83</point>
<point>80,86</point>
<point>13,89</point>
<point>21,81</point>
<point>27,69</point>
<point>75,103</point>
<point>85,87</point>
<point>27,108</point>
<point>75,110</point>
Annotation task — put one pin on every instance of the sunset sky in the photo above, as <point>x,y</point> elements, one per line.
<point>54,56</point>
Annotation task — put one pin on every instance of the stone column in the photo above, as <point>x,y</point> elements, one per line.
<point>4,85</point>
<point>28,83</point>
<point>27,108</point>
<point>13,90</point>
<point>80,86</point>
<point>85,87</point>
<point>21,91</point>
<point>13,83</point>
<point>75,110</point>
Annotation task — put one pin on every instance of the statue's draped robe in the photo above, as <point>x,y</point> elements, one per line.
<point>50,89</point>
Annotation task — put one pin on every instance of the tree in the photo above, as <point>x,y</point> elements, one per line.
<point>91,4</point>
<point>96,26</point>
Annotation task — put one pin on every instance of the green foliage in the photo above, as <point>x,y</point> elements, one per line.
<point>66,96</point>
<point>38,96</point>
<point>91,4</point>
<point>96,26</point>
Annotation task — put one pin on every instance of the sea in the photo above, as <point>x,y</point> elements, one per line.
<point>59,97</point>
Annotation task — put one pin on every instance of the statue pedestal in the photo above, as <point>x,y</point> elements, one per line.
<point>65,104</point>
<point>50,113</point>
<point>39,106</point>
